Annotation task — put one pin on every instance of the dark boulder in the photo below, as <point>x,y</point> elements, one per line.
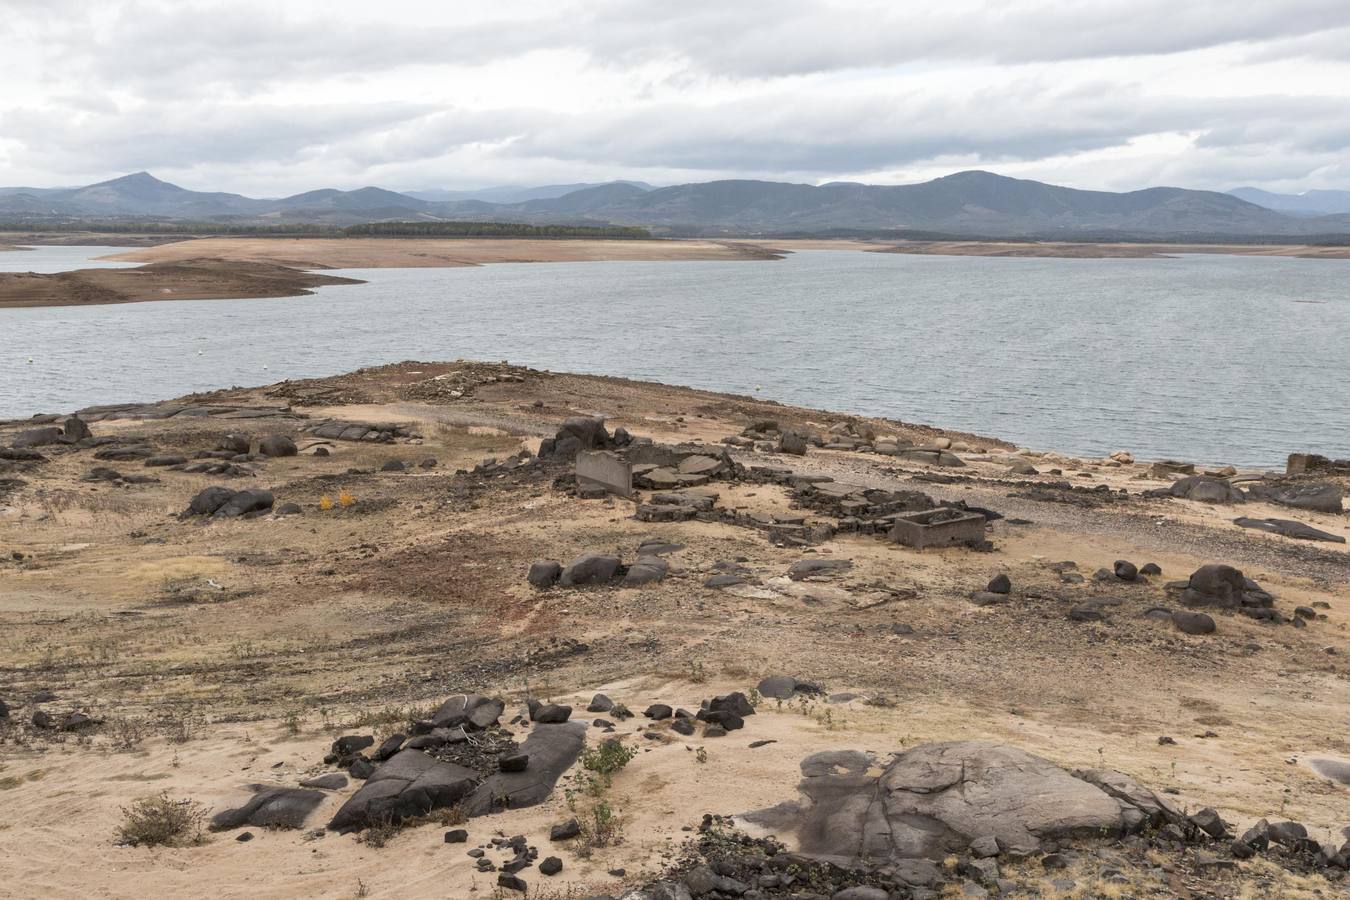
<point>209,500</point>
<point>600,703</point>
<point>1315,496</point>
<point>409,785</point>
<point>164,460</point>
<point>551,714</point>
<point>544,573</point>
<point>552,749</point>
<point>270,808</point>
<point>590,568</point>
<point>1125,570</point>
<point>999,584</point>
<point>388,747</point>
<point>474,712</point>
<point>75,430</point>
<point>1206,489</point>
<point>658,711</point>
<point>792,442</point>
<point>393,465</point>
<point>1193,622</point>
<point>1290,529</point>
<point>735,702</point>
<point>647,570</point>
<point>513,762</point>
<point>777,687</point>
<point>277,445</point>
<point>235,443</point>
<point>37,437</point>
<point>333,781</point>
<point>564,830</point>
<point>1214,585</point>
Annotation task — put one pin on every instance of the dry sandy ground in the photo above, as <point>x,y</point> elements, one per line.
<point>375,253</point>
<point>233,653</point>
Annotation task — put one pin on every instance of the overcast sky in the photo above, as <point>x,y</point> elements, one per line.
<point>274,98</point>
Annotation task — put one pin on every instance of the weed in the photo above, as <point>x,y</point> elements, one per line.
<point>126,734</point>
<point>700,755</point>
<point>162,821</point>
<point>346,498</point>
<point>379,834</point>
<point>697,673</point>
<point>603,761</point>
<point>325,504</point>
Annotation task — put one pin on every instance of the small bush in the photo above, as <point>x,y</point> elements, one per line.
<point>162,821</point>
<point>379,834</point>
<point>606,759</point>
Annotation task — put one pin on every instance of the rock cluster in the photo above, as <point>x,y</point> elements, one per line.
<point>603,569</point>
<point>75,431</point>
<point>338,430</point>
<point>460,756</point>
<point>1298,493</point>
<point>771,437</point>
<point>582,433</point>
<point>225,503</point>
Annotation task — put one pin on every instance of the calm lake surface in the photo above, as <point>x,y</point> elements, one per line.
<point>1216,359</point>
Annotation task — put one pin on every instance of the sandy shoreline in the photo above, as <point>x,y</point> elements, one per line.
<point>376,253</point>
<point>238,267</point>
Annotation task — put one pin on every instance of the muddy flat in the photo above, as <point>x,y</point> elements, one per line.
<point>189,279</point>
<point>221,653</point>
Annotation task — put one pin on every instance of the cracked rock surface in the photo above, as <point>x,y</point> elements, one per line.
<point>939,798</point>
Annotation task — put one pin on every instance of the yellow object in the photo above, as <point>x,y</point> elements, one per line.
<point>325,503</point>
<point>346,499</point>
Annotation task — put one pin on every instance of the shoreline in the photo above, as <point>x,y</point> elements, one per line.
<point>246,268</point>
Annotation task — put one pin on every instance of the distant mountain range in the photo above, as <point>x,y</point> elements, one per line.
<point>1308,203</point>
<point>515,193</point>
<point>964,204</point>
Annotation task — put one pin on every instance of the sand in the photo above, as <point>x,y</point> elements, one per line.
<point>235,652</point>
<point>374,253</point>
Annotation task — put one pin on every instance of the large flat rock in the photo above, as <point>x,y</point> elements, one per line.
<point>410,784</point>
<point>937,799</point>
<point>270,808</point>
<point>552,750</point>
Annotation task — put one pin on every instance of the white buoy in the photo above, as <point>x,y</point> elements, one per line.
<point>759,387</point>
<point>264,366</point>
<point>30,360</point>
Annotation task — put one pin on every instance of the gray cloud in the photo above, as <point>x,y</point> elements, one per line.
<point>243,94</point>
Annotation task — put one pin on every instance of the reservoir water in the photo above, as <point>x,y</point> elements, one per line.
<point>1215,359</point>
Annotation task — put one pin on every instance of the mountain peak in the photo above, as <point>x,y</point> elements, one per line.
<point>136,179</point>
